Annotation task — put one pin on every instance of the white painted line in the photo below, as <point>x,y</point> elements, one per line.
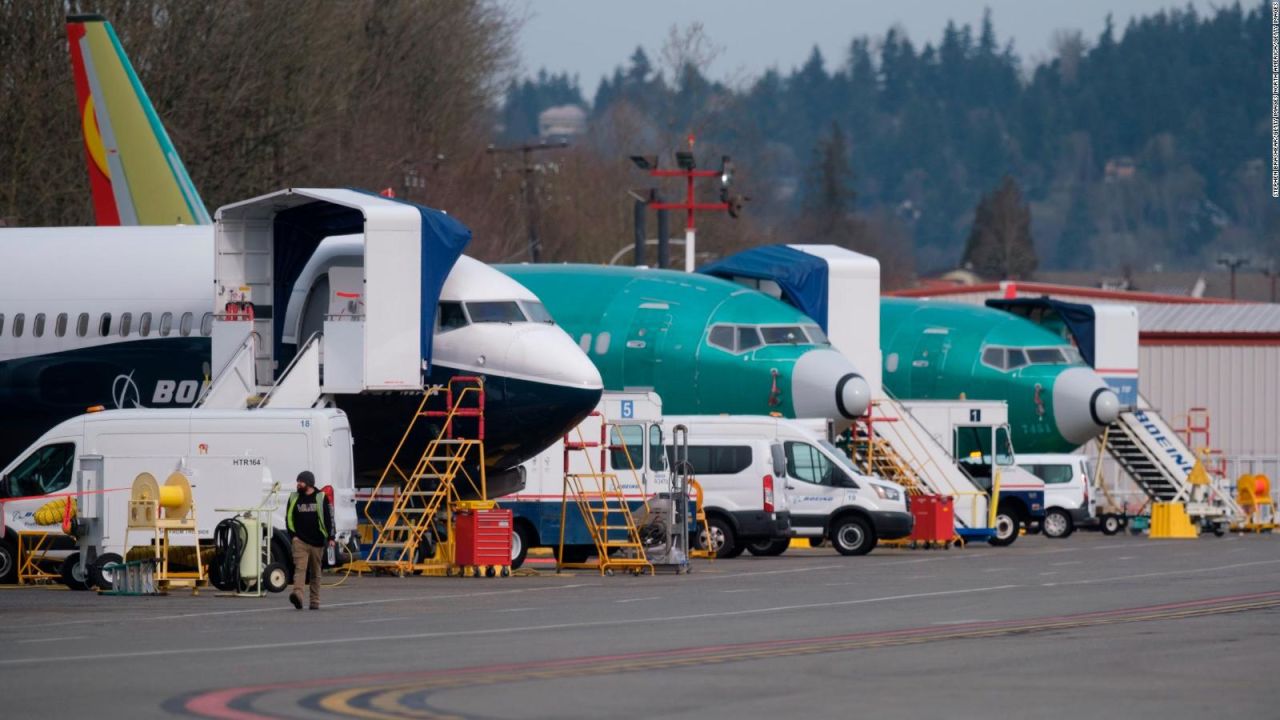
<point>495,631</point>
<point>739,590</point>
<point>631,600</point>
<point>382,620</point>
<point>1126,557</point>
<point>284,607</point>
<point>997,569</point>
<point>1069,562</point>
<point>1048,573</point>
<point>57,639</point>
<point>1094,581</point>
<point>729,576</point>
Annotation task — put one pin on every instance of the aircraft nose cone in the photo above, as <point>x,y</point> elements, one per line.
<point>1083,405</point>
<point>825,384</point>
<point>545,353</point>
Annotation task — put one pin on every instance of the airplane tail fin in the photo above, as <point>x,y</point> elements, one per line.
<point>136,175</point>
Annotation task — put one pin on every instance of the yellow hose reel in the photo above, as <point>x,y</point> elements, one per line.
<point>152,504</point>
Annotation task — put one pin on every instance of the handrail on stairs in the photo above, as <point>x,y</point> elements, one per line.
<point>315,337</point>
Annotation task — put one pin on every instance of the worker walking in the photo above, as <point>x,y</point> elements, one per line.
<point>309,518</point>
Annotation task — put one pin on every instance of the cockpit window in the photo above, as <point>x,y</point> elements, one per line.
<point>1044,356</point>
<point>1015,359</point>
<point>993,357</point>
<point>783,335</point>
<point>504,311</point>
<point>816,336</point>
<point>537,312</point>
<point>721,336</point>
<point>451,316</point>
<point>748,339</point>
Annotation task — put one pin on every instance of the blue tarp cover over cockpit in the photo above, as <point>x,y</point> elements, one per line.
<point>299,230</point>
<point>1077,319</point>
<point>801,276</point>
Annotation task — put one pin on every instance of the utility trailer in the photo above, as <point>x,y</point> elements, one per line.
<point>233,459</point>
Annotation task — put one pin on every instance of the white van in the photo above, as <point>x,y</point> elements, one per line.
<point>766,479</point>
<point>233,459</point>
<point>1068,504</point>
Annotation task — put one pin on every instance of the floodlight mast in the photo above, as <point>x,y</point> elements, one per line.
<point>688,170</point>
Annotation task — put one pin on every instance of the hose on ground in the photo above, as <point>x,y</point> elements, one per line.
<point>229,539</point>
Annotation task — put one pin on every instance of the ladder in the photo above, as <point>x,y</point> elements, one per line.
<point>410,539</point>
<point>604,508</point>
<point>1159,462</point>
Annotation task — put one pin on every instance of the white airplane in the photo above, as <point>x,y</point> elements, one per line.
<point>122,316</point>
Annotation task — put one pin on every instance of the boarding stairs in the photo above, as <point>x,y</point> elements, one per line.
<point>417,534</point>
<point>893,444</point>
<point>601,500</point>
<point>236,385</point>
<point>1160,463</point>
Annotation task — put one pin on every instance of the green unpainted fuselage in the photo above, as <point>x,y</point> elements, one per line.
<point>648,328</point>
<point>935,351</point>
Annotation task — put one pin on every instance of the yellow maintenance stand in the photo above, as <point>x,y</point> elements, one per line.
<point>418,535</point>
<point>1169,520</point>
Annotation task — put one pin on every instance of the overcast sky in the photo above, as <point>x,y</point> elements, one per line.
<point>590,38</point>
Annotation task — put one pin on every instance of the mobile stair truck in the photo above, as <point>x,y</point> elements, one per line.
<point>231,458</point>
<point>627,434</point>
<point>1158,461</point>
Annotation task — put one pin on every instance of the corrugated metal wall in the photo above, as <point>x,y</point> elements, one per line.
<point>1239,384</point>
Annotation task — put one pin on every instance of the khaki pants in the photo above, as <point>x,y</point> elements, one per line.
<point>306,557</point>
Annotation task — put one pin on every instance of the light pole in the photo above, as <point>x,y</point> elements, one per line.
<point>1271,272</point>
<point>528,168</point>
<point>1233,263</point>
<point>731,204</point>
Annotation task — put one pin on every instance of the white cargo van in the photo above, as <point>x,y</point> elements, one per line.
<point>1068,504</point>
<point>765,479</point>
<point>233,459</point>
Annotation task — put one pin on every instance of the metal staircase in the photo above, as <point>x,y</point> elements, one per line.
<point>894,445</point>
<point>606,512</point>
<point>417,533</point>
<point>1160,464</point>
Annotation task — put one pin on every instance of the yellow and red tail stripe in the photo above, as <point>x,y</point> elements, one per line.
<point>136,175</point>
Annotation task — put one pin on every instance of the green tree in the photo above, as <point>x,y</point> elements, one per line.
<point>1000,243</point>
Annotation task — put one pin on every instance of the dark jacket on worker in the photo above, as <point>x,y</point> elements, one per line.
<point>310,518</point>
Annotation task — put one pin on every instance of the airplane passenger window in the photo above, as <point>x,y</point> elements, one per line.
<point>993,357</point>
<point>184,325</point>
<point>37,328</point>
<point>1017,359</point>
<point>602,343</point>
<point>816,336</point>
<point>537,312</point>
<point>144,324</point>
<point>1,324</point>
<point>1044,356</point>
<point>504,311</point>
<point>721,336</point>
<point>19,321</point>
<point>451,316</point>
<point>748,339</point>
<point>60,325</point>
<point>104,325</point>
<point>206,324</point>
<point>166,324</point>
<point>126,324</point>
<point>82,325</point>
<point>44,471</point>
